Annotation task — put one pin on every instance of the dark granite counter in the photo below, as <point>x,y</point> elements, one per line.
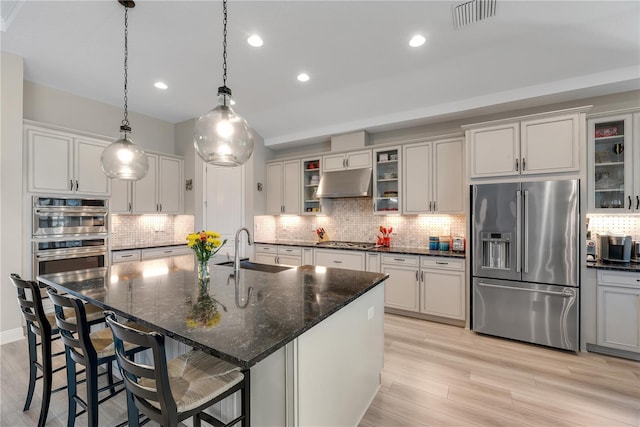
<point>619,266</point>
<point>405,250</point>
<point>260,315</point>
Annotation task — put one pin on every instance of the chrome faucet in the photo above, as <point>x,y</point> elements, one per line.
<point>236,258</point>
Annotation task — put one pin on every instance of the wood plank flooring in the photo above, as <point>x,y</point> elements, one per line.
<point>434,375</point>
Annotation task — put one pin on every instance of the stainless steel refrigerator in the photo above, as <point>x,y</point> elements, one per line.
<point>525,261</point>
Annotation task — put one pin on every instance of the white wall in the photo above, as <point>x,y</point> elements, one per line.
<point>11,206</point>
<point>52,106</point>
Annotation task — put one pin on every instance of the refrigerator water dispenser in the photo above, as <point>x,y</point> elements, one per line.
<point>495,250</point>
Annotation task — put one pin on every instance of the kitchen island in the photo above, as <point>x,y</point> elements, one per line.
<point>312,337</point>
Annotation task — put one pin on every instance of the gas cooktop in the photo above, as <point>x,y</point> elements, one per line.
<point>351,245</point>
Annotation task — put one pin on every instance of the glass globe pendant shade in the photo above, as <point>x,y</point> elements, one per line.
<point>122,159</point>
<point>222,137</point>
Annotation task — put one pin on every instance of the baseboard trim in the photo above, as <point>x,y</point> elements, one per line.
<point>613,352</point>
<point>11,335</point>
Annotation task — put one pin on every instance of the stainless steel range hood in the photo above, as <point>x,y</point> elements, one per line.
<point>346,183</point>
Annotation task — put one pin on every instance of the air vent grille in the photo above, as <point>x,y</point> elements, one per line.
<point>473,11</point>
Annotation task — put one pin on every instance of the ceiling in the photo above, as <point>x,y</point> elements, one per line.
<point>363,73</point>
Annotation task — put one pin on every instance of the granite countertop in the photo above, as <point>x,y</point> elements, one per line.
<point>405,250</point>
<point>620,266</point>
<point>160,292</point>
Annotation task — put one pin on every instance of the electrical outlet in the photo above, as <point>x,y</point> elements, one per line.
<point>370,313</point>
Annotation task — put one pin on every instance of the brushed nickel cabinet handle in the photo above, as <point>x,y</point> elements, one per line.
<point>70,185</point>
<point>523,164</point>
<point>517,166</point>
<point>637,202</point>
<point>77,185</point>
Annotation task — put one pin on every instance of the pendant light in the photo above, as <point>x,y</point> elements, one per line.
<point>222,137</point>
<point>122,159</point>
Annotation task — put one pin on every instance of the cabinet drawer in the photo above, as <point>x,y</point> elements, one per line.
<point>124,256</point>
<point>165,252</point>
<point>618,278</point>
<point>290,251</point>
<point>441,262</point>
<point>400,260</point>
<point>266,249</point>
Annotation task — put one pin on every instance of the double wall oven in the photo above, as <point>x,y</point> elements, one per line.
<point>69,234</point>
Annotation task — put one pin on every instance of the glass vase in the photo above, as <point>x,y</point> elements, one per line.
<point>203,272</point>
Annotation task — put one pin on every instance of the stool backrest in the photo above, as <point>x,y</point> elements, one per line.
<point>74,331</point>
<point>154,398</point>
<point>30,301</point>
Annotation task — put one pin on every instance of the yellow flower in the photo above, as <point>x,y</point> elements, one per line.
<point>205,244</point>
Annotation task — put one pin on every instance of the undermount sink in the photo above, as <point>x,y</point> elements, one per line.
<point>265,268</point>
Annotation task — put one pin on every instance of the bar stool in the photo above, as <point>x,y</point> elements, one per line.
<point>89,349</point>
<point>41,324</point>
<point>171,391</point>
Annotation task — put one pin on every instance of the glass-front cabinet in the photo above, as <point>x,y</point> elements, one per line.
<point>386,180</point>
<point>311,173</point>
<point>611,174</point>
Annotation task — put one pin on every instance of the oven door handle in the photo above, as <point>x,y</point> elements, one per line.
<point>69,253</point>
<point>566,292</point>
<point>70,212</point>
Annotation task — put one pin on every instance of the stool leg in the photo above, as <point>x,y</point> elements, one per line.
<point>71,388</point>
<point>33,370</point>
<point>110,377</point>
<point>92,394</point>
<point>47,374</point>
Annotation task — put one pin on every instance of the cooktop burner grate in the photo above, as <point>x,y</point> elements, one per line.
<point>354,245</point>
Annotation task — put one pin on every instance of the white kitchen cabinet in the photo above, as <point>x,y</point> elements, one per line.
<point>614,163</point>
<point>541,144</point>
<point>618,308</point>
<point>433,177</point>
<point>402,288</point>
<point>311,173</point>
<point>350,160</point>
<point>350,260</point>
<point>125,255</point>
<point>387,180</point>
<point>283,187</point>
<point>442,287</point>
<point>165,251</point>
<point>275,254</point>
<point>160,191</point>
<point>64,163</point>
<point>373,262</point>
<point>307,256</point>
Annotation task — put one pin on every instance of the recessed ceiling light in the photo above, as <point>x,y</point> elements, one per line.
<point>255,40</point>
<point>161,85</point>
<point>417,40</point>
<point>303,77</point>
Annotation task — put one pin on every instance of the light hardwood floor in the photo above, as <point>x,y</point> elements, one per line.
<point>434,375</point>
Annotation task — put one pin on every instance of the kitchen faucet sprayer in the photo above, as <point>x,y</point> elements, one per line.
<point>236,258</point>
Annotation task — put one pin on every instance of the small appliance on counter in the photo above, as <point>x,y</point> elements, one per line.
<point>458,244</point>
<point>615,247</point>
<point>591,250</point>
<point>635,251</point>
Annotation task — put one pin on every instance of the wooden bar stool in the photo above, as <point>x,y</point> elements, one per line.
<point>89,349</point>
<point>171,391</point>
<point>41,324</point>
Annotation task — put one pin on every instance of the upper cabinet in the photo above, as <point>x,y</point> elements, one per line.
<point>433,177</point>
<point>614,163</point>
<point>64,163</point>
<point>311,173</point>
<point>160,191</point>
<point>350,160</point>
<point>386,180</point>
<point>283,187</point>
<point>544,144</point>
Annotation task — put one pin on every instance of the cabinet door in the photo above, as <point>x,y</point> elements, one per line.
<point>50,162</point>
<point>170,185</point>
<point>619,318</point>
<point>333,162</point>
<point>121,201</point>
<point>550,145</point>
<point>145,192</point>
<point>223,195</point>
<point>416,179</point>
<point>291,192</point>
<point>401,289</point>
<point>350,260</point>
<point>265,258</point>
<point>443,293</point>
<point>289,260</point>
<point>359,159</point>
<point>494,150</point>
<point>307,256</point>
<point>90,179</point>
<point>448,177</point>
<point>274,188</point>
<point>635,145</point>
<point>373,262</point>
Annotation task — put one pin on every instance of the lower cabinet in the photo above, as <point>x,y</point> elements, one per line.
<point>618,306</point>
<point>273,254</point>
<point>427,285</point>
<point>350,260</point>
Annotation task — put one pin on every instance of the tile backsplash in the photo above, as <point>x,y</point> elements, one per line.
<point>353,220</point>
<point>149,230</point>
<point>623,224</point>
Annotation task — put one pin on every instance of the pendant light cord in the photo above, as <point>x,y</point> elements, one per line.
<point>125,121</point>
<point>224,43</point>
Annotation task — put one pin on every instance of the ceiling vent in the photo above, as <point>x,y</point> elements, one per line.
<point>473,11</point>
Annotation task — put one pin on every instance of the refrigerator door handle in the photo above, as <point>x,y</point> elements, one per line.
<point>518,230</point>
<point>525,242</point>
<point>566,292</point>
